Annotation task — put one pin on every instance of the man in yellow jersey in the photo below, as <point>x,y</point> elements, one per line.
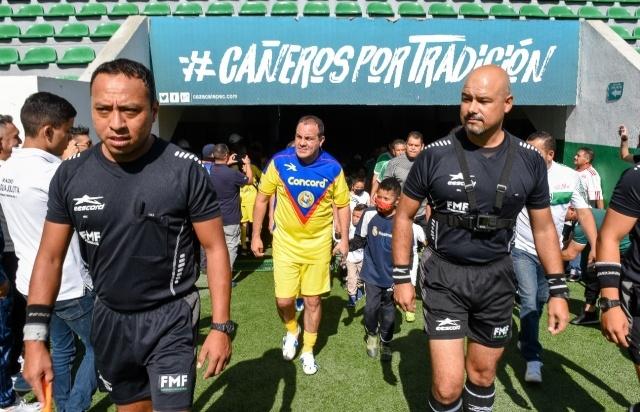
<point>307,182</point>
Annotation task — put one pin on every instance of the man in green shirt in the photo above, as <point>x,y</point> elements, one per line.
<point>396,148</point>
<point>580,245</point>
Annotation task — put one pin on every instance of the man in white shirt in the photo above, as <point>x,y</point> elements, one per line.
<point>24,188</point>
<point>589,176</point>
<point>566,190</point>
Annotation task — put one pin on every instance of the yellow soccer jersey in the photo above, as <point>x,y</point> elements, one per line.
<point>304,198</point>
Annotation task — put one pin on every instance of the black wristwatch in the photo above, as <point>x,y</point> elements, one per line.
<point>228,327</point>
<point>605,304</point>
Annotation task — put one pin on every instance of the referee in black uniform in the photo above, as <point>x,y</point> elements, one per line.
<point>476,180</point>
<point>137,203</point>
<point>620,283</point>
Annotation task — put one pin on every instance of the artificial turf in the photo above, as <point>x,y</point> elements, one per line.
<point>582,372</point>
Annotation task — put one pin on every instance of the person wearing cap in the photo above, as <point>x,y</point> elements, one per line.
<point>227,183</point>
<point>207,156</point>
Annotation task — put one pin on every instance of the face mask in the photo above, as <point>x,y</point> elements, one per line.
<point>384,207</point>
<point>358,192</point>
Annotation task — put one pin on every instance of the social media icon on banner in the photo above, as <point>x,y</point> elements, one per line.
<point>185,97</point>
<point>174,97</point>
<point>164,97</point>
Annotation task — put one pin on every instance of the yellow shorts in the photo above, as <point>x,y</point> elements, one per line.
<point>248,196</point>
<point>305,279</point>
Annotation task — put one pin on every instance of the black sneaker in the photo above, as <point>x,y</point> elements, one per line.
<point>634,408</point>
<point>586,318</point>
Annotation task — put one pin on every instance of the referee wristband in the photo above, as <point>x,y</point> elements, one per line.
<point>557,285</point>
<point>401,274</point>
<point>37,322</point>
<point>608,274</point>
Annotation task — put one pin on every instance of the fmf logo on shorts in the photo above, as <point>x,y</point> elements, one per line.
<point>448,324</point>
<point>173,383</point>
<point>500,332</point>
<point>87,203</point>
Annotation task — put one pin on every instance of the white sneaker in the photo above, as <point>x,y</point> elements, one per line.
<point>21,406</point>
<point>290,345</point>
<point>534,372</point>
<point>309,365</point>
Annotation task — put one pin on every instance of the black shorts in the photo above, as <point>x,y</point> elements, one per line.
<point>630,296</point>
<point>468,300</point>
<point>149,354</point>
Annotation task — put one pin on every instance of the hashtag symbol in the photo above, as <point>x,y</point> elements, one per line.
<point>202,64</point>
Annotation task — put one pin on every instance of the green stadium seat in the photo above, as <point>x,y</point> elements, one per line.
<point>8,55</point>
<point>38,31</point>
<point>39,55</point>
<point>30,11</point>
<point>636,33</point>
<point>442,10</point>
<point>575,1</point>
<point>602,2</point>
<point>348,9</point>
<point>78,55</point>
<point>472,10</point>
<point>73,31</point>
<point>590,13</point>
<point>188,9</point>
<point>380,10</point>
<point>628,2</point>
<point>316,8</point>
<point>61,10</point>
<point>532,11</point>
<point>156,9</point>
<point>503,11</point>
<point>622,32</point>
<point>620,13</point>
<point>9,31</point>
<point>562,12</point>
<point>92,10</point>
<point>285,8</point>
<point>5,11</point>
<point>411,9</point>
<point>124,9</point>
<point>253,9</point>
<point>105,30</point>
<point>220,9</point>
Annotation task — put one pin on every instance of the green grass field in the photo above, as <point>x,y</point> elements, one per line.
<point>582,371</point>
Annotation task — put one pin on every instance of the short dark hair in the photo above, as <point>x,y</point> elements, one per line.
<point>78,130</point>
<point>390,184</point>
<point>416,135</point>
<point>548,141</point>
<point>130,69</point>
<point>590,153</point>
<point>5,119</point>
<point>359,207</point>
<point>220,151</point>
<point>315,119</point>
<point>357,178</point>
<point>44,108</point>
<point>395,142</point>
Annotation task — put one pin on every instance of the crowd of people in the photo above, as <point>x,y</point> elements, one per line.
<point>103,244</point>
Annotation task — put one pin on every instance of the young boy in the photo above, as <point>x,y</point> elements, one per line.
<point>354,259</point>
<point>357,194</point>
<point>374,234</point>
<point>419,238</point>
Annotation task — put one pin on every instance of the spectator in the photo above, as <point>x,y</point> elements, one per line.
<point>47,119</point>
<point>79,141</point>
<point>357,194</point>
<point>400,165</point>
<point>248,194</point>
<point>10,139</point>
<point>565,188</point>
<point>308,182</point>
<point>227,183</point>
<point>625,154</point>
<point>396,148</point>
<point>579,246</point>
<point>583,161</point>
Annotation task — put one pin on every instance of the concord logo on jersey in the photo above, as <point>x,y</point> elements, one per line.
<point>448,324</point>
<point>87,203</point>
<point>307,182</point>
<point>290,167</point>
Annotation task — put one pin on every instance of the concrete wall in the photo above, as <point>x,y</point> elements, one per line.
<point>77,93</point>
<point>15,90</point>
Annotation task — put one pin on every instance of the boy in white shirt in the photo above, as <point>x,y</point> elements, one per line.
<point>354,259</point>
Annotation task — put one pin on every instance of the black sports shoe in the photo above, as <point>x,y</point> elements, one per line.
<point>586,318</point>
<point>634,408</point>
